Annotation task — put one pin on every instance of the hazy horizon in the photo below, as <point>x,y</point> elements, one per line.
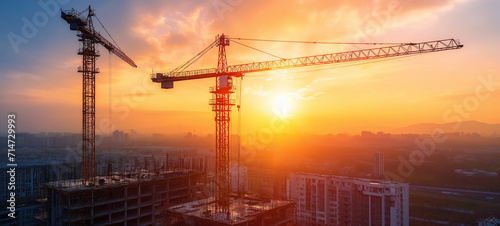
<point>395,131</point>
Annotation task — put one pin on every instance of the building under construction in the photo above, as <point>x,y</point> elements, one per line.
<point>243,211</point>
<point>131,199</point>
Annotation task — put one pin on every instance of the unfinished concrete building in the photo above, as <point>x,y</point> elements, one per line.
<point>243,211</point>
<point>133,199</point>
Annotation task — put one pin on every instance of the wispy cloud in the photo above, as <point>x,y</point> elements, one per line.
<point>257,91</point>
<point>307,93</point>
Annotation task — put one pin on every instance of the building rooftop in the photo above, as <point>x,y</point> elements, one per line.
<point>366,180</point>
<point>114,180</point>
<point>241,209</point>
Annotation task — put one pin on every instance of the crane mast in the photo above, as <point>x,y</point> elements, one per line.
<point>89,38</point>
<point>221,104</point>
<point>224,74</point>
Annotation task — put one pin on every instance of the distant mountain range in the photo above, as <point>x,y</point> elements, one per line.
<point>466,127</point>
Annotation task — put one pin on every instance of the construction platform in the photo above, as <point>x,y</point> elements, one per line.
<point>243,211</point>
<point>132,199</point>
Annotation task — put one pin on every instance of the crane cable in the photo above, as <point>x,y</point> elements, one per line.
<point>335,43</point>
<point>110,90</point>
<point>194,59</point>
<point>238,99</point>
<point>110,72</point>
<point>107,31</point>
<point>109,68</point>
<point>259,50</point>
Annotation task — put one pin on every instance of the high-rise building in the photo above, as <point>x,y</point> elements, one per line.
<point>240,171</point>
<point>378,164</point>
<point>337,200</point>
<point>267,182</point>
<point>119,136</point>
<point>29,177</point>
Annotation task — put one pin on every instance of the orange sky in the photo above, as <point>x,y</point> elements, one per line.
<point>161,35</point>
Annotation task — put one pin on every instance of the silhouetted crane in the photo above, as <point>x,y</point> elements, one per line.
<point>89,37</point>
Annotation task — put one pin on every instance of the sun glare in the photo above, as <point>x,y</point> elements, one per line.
<point>282,105</point>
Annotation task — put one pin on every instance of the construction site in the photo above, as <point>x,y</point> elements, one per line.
<point>165,190</point>
<point>181,197</point>
<point>136,199</point>
<point>245,210</point>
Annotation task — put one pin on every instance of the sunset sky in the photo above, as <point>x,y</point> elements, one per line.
<point>40,83</point>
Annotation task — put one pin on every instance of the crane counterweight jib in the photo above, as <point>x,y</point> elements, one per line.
<point>73,20</point>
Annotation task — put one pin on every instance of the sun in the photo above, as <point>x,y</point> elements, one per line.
<point>282,105</point>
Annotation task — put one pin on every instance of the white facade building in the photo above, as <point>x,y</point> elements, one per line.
<point>337,200</point>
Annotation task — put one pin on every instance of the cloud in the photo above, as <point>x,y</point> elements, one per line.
<point>170,33</point>
<point>257,91</point>
<point>137,95</point>
<point>460,96</point>
<point>307,93</point>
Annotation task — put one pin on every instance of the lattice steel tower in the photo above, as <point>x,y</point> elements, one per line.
<point>89,38</point>
<point>221,105</point>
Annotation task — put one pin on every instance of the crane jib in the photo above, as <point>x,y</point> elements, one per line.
<point>167,79</point>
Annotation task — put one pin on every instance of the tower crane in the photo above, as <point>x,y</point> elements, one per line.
<point>224,74</point>
<point>89,37</point>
